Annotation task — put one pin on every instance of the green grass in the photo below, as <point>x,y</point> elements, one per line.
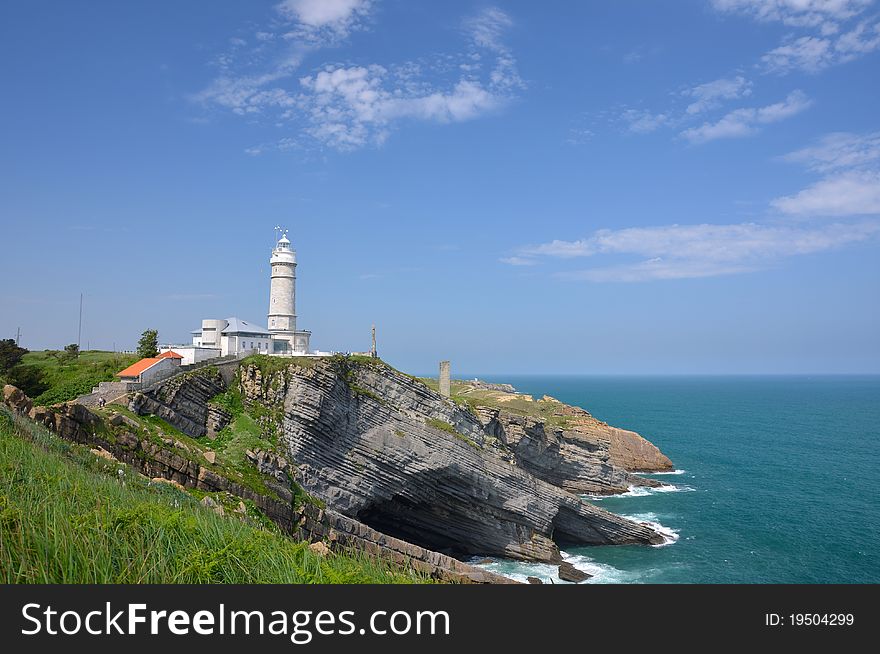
<point>230,446</point>
<point>364,359</point>
<point>466,396</point>
<point>442,425</point>
<point>230,399</point>
<point>69,378</point>
<point>67,516</point>
<point>270,365</point>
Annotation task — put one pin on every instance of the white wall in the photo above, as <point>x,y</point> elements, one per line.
<point>239,343</point>
<point>282,298</point>
<point>211,336</point>
<point>193,355</point>
<point>159,371</point>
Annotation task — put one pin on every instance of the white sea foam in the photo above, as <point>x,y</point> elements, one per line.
<point>519,570</point>
<point>668,472</point>
<point>602,573</point>
<point>669,534</point>
<point>642,491</point>
<point>669,488</point>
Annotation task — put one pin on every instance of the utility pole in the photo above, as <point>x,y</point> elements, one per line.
<point>79,331</point>
<point>373,352</point>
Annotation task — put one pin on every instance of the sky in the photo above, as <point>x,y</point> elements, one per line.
<point>627,187</point>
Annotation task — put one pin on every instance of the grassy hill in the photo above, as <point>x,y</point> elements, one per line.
<point>69,516</point>
<point>67,378</point>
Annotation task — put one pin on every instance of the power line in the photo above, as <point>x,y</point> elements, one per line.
<point>79,330</point>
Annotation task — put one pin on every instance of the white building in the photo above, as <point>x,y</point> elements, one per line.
<point>232,336</point>
<point>236,336</point>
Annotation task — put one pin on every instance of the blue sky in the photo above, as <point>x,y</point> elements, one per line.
<point>555,187</point>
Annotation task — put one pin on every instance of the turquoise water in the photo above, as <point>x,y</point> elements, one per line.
<point>779,485</point>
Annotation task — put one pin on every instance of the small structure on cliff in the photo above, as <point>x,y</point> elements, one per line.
<point>444,383</point>
<point>152,369</point>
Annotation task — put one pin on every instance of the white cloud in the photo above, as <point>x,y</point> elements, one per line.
<point>834,39</point>
<point>862,39</point>
<point>247,94</point>
<point>488,27</point>
<point>851,186</point>
<point>350,106</point>
<point>711,94</point>
<point>318,20</point>
<point>812,54</point>
<point>807,53</point>
<point>655,269</point>
<point>838,151</point>
<point>518,261</point>
<point>689,251</point>
<point>747,121</point>
<point>847,194</point>
<point>797,13</point>
<point>644,122</point>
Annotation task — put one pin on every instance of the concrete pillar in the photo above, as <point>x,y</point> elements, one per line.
<point>444,378</point>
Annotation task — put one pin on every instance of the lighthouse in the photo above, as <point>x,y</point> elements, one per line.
<point>282,301</point>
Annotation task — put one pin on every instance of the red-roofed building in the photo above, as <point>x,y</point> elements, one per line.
<point>147,371</point>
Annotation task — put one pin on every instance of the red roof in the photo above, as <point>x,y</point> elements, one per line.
<point>137,368</point>
<point>170,354</point>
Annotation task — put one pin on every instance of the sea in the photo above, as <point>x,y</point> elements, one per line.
<point>777,478</point>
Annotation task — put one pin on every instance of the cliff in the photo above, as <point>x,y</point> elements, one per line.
<point>571,430</point>
<point>352,452</point>
<point>383,448</point>
<point>152,452</point>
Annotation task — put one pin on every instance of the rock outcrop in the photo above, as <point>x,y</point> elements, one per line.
<point>342,532</point>
<point>626,449</point>
<point>16,400</point>
<point>566,458</point>
<point>567,572</point>
<point>183,401</point>
<point>380,447</point>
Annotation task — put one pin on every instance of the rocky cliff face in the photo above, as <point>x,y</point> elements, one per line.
<point>183,401</point>
<point>626,449</point>
<point>380,447</point>
<point>383,449</point>
<point>564,458</point>
<point>122,439</point>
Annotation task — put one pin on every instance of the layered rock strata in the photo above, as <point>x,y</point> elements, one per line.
<point>381,447</point>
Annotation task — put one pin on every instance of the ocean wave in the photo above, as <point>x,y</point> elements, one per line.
<point>548,573</point>
<point>669,534</point>
<point>642,491</point>
<point>667,472</point>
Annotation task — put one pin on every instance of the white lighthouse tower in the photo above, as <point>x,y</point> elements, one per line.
<point>282,301</point>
